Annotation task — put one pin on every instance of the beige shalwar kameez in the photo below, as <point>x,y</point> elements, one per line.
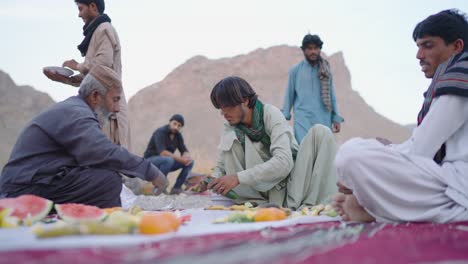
<point>104,49</point>
<point>270,174</point>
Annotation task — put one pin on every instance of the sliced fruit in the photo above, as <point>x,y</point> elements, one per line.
<point>158,223</point>
<point>185,219</point>
<point>10,222</point>
<point>73,213</point>
<point>28,207</point>
<point>240,217</point>
<point>134,210</point>
<point>72,229</point>
<point>172,218</point>
<point>4,213</point>
<point>112,209</point>
<point>123,220</point>
<point>99,228</point>
<point>269,214</point>
<point>55,230</point>
<point>315,210</point>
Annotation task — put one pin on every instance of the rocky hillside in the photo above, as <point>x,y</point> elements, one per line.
<point>18,104</point>
<point>186,90</point>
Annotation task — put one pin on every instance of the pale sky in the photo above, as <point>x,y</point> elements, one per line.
<point>158,36</point>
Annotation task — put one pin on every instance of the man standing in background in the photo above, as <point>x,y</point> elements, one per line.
<point>310,91</point>
<point>100,46</point>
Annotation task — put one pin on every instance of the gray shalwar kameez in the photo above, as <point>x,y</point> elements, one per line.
<point>63,155</point>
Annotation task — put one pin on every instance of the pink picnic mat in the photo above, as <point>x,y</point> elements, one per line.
<point>331,242</point>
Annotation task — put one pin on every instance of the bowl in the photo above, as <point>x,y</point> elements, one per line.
<point>59,70</point>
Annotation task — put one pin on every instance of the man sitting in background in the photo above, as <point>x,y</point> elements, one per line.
<point>161,151</point>
<point>63,155</point>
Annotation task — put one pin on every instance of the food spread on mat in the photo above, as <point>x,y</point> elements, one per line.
<point>79,219</point>
<point>247,213</point>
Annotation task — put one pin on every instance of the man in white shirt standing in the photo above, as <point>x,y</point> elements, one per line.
<point>424,179</point>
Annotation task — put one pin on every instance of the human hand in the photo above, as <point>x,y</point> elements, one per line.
<point>224,184</point>
<point>384,141</point>
<point>336,127</point>
<point>187,158</point>
<point>160,184</point>
<point>72,64</point>
<point>202,184</point>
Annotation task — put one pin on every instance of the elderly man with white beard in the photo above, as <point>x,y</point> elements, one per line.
<point>63,155</point>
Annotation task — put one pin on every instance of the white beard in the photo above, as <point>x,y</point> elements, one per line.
<point>102,115</point>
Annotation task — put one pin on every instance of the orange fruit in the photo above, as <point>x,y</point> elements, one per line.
<point>172,218</point>
<point>158,223</point>
<point>269,214</point>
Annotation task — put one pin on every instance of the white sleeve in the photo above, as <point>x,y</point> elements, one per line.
<point>403,147</point>
<point>446,115</point>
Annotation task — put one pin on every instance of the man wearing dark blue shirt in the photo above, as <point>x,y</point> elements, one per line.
<point>161,151</point>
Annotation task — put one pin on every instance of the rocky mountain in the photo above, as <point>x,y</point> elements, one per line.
<point>186,90</point>
<point>411,126</point>
<point>18,104</point>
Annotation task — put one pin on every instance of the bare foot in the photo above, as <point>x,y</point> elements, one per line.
<point>353,211</point>
<point>337,204</point>
<point>343,189</point>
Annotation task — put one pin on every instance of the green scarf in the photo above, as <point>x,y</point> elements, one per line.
<point>257,131</point>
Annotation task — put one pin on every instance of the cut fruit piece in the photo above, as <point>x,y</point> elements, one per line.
<point>57,229</point>
<point>28,207</point>
<point>123,220</point>
<point>112,209</point>
<point>100,228</point>
<point>158,223</point>
<point>10,222</point>
<point>5,212</point>
<point>269,214</point>
<point>72,212</point>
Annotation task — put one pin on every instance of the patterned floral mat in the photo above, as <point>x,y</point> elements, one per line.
<point>331,242</point>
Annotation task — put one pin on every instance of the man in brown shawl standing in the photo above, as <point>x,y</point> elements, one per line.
<point>100,46</point>
<point>310,91</point>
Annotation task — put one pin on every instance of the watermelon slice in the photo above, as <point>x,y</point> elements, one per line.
<point>28,207</point>
<point>73,212</point>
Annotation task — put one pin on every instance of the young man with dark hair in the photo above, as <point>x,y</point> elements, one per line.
<point>259,156</point>
<point>310,92</point>
<point>161,147</point>
<point>100,46</point>
<point>424,179</point>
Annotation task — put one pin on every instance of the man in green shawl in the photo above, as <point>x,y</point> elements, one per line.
<point>260,158</point>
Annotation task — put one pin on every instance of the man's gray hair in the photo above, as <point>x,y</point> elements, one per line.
<point>90,84</point>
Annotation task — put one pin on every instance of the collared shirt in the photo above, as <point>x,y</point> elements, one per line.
<point>161,140</point>
<point>303,95</point>
<point>67,134</point>
<point>277,159</point>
